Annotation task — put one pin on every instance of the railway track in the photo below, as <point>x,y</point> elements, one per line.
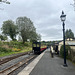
<point>8,58</point>
<point>8,70</point>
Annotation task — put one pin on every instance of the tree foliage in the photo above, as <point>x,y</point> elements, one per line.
<point>9,29</point>
<point>35,37</point>
<point>0,0</point>
<point>26,28</point>
<point>69,34</point>
<point>5,1</point>
<point>38,37</point>
<point>3,37</point>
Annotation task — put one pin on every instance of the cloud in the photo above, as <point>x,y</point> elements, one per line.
<point>45,15</point>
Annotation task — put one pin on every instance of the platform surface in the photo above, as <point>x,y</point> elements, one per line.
<point>44,64</point>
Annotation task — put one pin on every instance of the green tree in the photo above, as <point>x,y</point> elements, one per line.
<point>5,1</point>
<point>35,37</point>
<point>38,37</point>
<point>0,0</point>
<point>9,29</point>
<point>69,34</point>
<point>3,37</point>
<point>26,28</point>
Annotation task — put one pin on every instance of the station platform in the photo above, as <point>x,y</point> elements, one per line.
<point>44,64</point>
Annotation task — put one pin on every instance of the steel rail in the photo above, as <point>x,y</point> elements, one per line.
<point>6,59</point>
<point>12,68</point>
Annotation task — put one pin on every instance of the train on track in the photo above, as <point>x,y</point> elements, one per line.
<point>38,48</point>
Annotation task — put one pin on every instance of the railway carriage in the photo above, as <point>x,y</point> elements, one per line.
<point>37,48</point>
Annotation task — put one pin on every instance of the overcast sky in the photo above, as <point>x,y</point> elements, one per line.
<point>45,14</point>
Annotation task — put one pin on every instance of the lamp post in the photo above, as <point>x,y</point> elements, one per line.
<point>63,18</point>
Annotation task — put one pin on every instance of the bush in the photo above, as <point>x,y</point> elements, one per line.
<point>1,43</point>
<point>25,44</point>
<point>5,50</point>
<point>15,44</point>
<point>68,51</point>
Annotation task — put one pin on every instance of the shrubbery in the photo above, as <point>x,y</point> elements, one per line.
<point>8,48</point>
<point>1,43</point>
<point>16,50</point>
<point>68,51</point>
<point>4,50</point>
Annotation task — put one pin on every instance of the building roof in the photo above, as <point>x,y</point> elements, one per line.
<point>71,43</point>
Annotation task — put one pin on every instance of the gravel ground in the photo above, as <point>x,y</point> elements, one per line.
<point>12,62</point>
<point>21,68</point>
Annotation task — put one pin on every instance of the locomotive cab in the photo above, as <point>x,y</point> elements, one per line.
<point>36,46</point>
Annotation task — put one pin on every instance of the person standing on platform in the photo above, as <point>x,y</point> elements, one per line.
<point>50,49</point>
<point>52,52</point>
